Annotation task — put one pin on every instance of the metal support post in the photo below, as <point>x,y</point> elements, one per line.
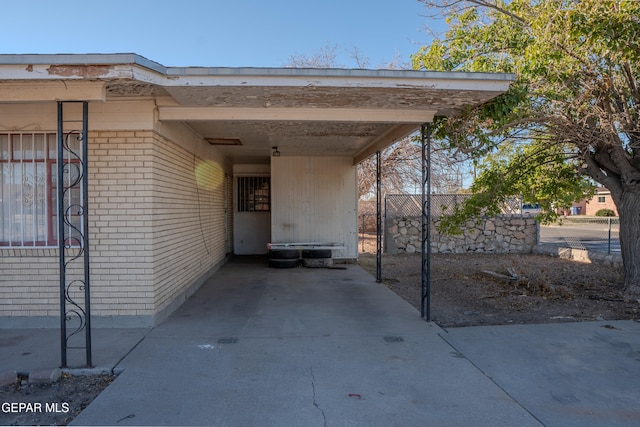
<point>362,235</point>
<point>378,219</point>
<point>73,231</point>
<point>609,238</point>
<point>425,303</point>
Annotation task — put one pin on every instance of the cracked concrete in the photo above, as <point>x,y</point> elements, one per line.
<point>290,327</point>
<point>315,401</point>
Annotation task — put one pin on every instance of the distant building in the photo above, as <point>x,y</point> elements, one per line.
<point>601,200</point>
<point>578,208</point>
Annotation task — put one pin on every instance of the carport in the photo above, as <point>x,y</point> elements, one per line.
<point>187,165</point>
<point>283,123</point>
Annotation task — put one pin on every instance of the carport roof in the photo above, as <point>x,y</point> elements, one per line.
<point>338,112</point>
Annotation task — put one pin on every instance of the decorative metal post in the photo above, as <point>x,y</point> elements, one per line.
<point>73,236</point>
<point>425,302</point>
<point>378,219</point>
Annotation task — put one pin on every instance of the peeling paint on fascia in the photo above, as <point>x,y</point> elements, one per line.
<point>417,86</point>
<point>80,71</point>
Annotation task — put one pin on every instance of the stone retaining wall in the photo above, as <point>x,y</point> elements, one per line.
<point>502,234</point>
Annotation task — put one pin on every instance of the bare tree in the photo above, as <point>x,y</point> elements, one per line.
<point>401,165</point>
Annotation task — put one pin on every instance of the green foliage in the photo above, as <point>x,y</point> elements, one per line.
<point>571,117</point>
<point>605,212</point>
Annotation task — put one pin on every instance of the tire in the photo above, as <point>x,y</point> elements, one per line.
<point>317,262</point>
<point>316,253</point>
<point>283,263</point>
<point>284,254</point>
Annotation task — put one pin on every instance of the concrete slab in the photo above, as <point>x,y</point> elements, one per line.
<point>259,346</point>
<point>27,350</point>
<point>569,374</point>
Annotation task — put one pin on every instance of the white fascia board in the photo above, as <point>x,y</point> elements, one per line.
<point>131,66</point>
<point>81,59</point>
<point>340,78</point>
<point>65,72</point>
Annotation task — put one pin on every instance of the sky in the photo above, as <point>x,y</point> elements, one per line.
<point>216,33</point>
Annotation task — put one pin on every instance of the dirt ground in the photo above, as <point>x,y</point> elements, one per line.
<point>51,404</point>
<point>501,289</point>
<point>466,290</point>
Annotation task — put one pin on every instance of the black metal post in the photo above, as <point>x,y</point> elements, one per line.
<point>378,219</point>
<point>362,235</point>
<point>425,303</point>
<point>85,229</point>
<point>609,239</point>
<point>63,280</point>
<point>73,230</point>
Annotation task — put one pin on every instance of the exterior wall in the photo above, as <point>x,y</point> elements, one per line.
<point>508,233</point>
<point>156,219</point>
<point>188,220</point>
<point>120,194</point>
<point>28,284</point>
<point>593,206</point>
<point>314,199</point>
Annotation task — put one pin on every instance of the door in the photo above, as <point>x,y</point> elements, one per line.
<point>252,215</point>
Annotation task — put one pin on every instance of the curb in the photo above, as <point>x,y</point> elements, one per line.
<point>45,376</point>
<point>77,372</point>
<point>8,377</point>
<point>580,255</point>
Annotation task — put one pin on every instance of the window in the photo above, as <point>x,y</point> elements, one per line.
<point>602,199</point>
<point>254,194</point>
<point>28,189</point>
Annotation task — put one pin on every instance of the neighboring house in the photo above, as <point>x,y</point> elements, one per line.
<point>188,165</point>
<point>578,208</point>
<point>601,200</point>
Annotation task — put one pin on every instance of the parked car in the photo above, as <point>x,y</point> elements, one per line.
<point>530,209</point>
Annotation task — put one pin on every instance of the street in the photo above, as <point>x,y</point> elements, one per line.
<point>583,235</point>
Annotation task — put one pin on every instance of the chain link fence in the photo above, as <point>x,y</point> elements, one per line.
<point>578,232</point>
<point>410,205</point>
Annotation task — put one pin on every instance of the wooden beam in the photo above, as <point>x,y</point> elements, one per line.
<point>364,115</point>
<point>52,91</point>
<point>385,140</point>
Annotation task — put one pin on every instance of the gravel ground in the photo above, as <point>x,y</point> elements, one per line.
<point>498,289</point>
<point>49,404</point>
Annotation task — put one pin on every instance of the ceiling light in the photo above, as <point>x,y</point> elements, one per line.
<point>223,141</point>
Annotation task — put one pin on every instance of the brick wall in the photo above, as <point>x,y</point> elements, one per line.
<point>28,285</point>
<point>120,197</point>
<point>594,205</point>
<point>157,230</point>
<point>188,218</point>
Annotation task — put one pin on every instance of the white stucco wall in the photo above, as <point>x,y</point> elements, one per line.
<point>314,199</point>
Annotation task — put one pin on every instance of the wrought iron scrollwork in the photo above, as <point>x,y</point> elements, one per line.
<point>73,236</point>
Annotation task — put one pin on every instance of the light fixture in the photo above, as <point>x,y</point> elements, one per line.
<point>223,141</point>
<point>276,153</point>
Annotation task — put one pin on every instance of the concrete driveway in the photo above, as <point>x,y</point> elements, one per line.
<point>305,347</point>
